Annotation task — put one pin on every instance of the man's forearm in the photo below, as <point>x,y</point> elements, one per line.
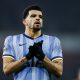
<point>11,67</point>
<point>55,68</point>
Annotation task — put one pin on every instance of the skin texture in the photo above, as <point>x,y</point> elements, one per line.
<point>33,24</point>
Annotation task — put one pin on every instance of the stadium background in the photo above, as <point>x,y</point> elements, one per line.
<point>61,18</point>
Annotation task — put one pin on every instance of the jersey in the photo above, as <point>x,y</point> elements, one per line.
<point>17,46</point>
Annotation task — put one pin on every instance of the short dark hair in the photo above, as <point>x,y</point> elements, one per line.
<point>32,7</point>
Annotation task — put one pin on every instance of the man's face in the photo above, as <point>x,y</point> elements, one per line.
<point>34,20</point>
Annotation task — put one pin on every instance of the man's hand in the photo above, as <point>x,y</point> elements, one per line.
<point>38,52</point>
<point>30,53</point>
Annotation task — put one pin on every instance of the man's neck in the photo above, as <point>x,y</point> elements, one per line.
<point>29,32</point>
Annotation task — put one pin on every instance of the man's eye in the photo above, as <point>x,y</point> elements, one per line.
<point>40,16</point>
<point>33,15</point>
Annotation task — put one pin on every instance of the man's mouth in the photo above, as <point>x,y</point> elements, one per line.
<point>37,22</point>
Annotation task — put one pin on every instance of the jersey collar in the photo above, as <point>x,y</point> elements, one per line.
<point>31,37</point>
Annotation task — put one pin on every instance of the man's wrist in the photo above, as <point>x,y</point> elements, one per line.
<point>42,57</point>
<point>28,56</point>
<point>24,60</point>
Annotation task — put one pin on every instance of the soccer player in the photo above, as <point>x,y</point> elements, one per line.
<point>32,55</point>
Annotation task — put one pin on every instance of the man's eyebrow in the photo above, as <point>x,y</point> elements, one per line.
<point>33,14</point>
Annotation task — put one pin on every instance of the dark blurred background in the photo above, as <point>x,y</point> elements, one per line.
<point>61,19</point>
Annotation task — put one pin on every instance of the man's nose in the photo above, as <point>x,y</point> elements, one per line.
<point>37,18</point>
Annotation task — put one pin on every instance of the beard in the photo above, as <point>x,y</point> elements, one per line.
<point>37,27</point>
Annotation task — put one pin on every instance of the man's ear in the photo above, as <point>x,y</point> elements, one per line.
<point>24,22</point>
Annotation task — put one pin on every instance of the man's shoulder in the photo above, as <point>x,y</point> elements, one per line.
<point>50,37</point>
<point>12,36</point>
<point>15,35</point>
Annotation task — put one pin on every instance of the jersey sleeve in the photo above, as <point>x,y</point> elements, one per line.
<point>56,50</point>
<point>8,50</point>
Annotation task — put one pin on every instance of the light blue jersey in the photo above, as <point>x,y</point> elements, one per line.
<point>17,46</point>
